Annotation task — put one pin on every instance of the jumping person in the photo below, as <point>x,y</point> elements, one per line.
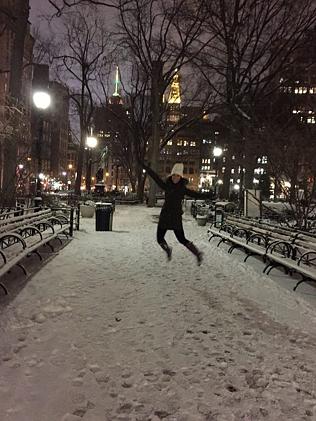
<point>171,214</point>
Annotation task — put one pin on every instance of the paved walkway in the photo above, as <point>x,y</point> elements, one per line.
<point>108,330</point>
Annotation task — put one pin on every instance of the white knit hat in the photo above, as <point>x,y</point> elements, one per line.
<point>177,169</point>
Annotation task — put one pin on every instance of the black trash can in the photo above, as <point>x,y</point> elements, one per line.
<point>103,216</point>
<point>219,214</point>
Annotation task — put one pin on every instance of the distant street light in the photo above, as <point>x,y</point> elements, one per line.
<point>42,101</point>
<point>217,151</point>
<point>91,143</point>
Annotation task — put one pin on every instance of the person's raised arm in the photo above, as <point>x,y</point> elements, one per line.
<point>154,176</point>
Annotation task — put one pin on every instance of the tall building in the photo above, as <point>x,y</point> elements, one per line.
<point>15,116</point>
<point>110,122</point>
<point>52,147</point>
<point>174,100</point>
<point>41,142</point>
<point>59,121</point>
<point>298,82</point>
<point>116,98</point>
<point>187,145</point>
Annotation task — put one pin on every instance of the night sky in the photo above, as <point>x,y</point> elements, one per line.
<point>38,7</point>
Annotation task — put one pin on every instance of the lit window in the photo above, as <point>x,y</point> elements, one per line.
<point>192,143</point>
<point>179,142</point>
<point>233,170</point>
<point>264,160</point>
<point>169,142</point>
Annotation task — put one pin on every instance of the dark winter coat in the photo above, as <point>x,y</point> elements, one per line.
<point>171,212</point>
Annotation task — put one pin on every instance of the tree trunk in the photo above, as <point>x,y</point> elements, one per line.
<point>21,15</point>
<point>250,165</point>
<point>140,187</point>
<point>155,139</point>
<point>88,171</point>
<point>83,136</point>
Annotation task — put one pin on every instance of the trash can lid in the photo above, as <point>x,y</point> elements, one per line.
<point>104,204</point>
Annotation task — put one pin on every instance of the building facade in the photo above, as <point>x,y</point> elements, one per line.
<point>50,147</point>
<point>15,121</point>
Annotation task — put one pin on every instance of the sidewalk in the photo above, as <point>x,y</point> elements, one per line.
<point>109,330</point>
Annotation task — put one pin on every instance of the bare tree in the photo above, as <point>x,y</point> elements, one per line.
<point>132,122</point>
<point>293,168</point>
<point>82,53</point>
<point>253,43</point>
<point>160,37</point>
<point>61,5</point>
<point>154,33</point>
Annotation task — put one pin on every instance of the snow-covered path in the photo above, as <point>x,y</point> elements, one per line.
<point>108,330</point>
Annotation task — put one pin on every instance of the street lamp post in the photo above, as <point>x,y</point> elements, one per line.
<point>217,153</point>
<point>91,144</point>
<point>41,101</point>
<point>117,176</point>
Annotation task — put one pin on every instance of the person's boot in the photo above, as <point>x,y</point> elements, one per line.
<point>167,249</point>
<point>196,252</point>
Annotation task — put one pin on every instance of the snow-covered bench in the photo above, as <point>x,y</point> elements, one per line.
<point>293,253</point>
<point>281,230</point>
<point>23,235</point>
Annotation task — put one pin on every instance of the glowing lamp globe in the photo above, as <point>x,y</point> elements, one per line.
<point>92,141</point>
<point>217,151</point>
<point>41,100</point>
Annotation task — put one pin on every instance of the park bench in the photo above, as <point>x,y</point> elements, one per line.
<point>291,250</point>
<point>285,230</point>
<point>23,235</point>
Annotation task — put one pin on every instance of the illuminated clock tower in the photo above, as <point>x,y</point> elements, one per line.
<point>174,100</point>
